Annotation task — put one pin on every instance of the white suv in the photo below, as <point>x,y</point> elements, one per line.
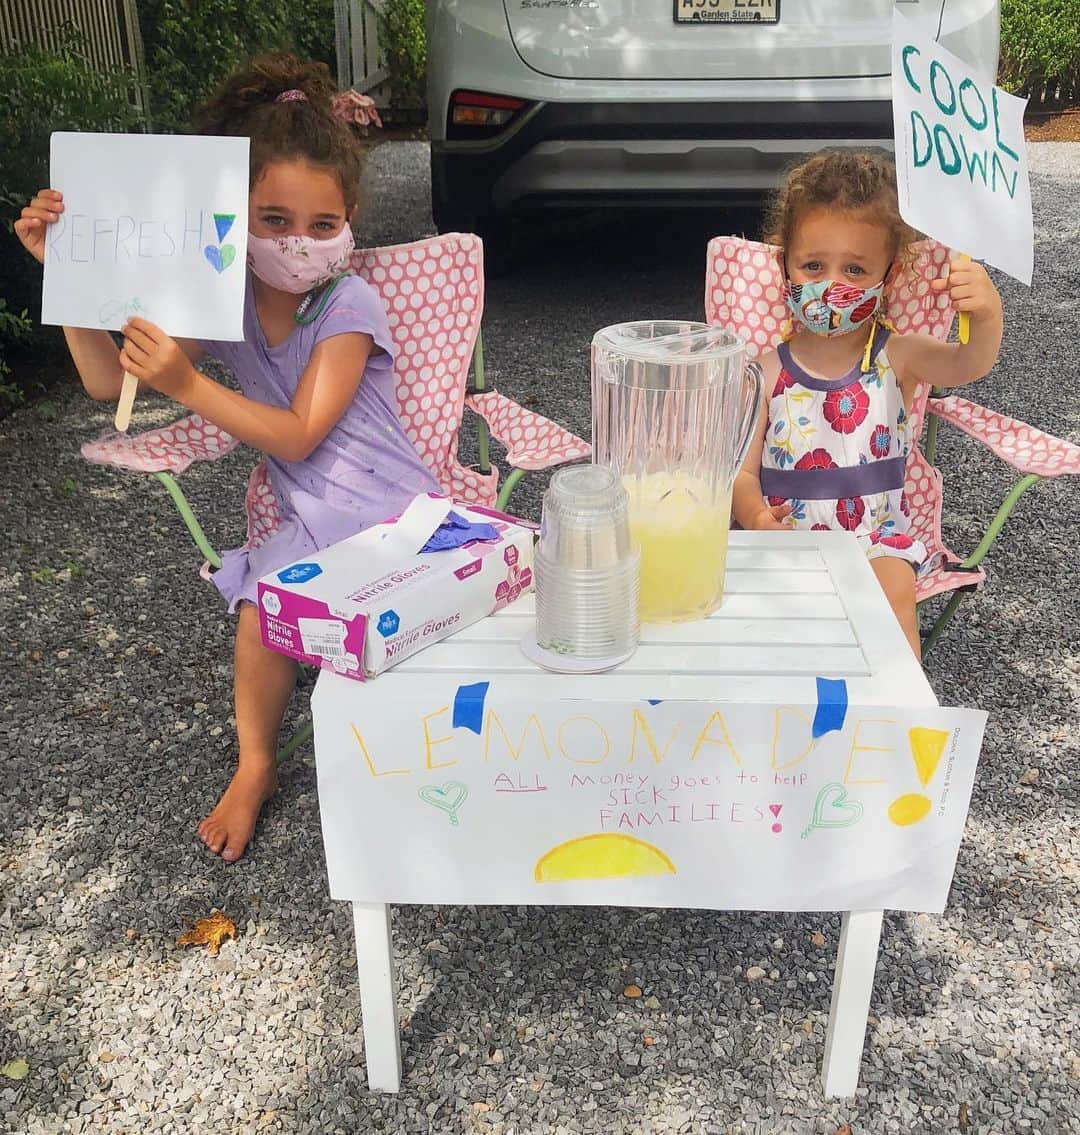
<point>540,104</point>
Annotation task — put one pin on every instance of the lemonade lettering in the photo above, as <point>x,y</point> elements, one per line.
<point>625,754</point>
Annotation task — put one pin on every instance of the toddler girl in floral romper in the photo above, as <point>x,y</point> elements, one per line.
<point>834,433</point>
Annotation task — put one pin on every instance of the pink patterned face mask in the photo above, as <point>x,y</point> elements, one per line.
<point>299,263</point>
<point>832,307</point>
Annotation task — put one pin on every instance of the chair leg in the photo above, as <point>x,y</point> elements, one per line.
<point>511,483</point>
<point>188,517</point>
<point>976,557</point>
<point>304,733</point>
<point>1002,514</point>
<point>300,737</point>
<point>940,623</point>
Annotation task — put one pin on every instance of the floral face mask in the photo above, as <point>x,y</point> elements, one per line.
<point>831,307</point>
<point>299,263</point>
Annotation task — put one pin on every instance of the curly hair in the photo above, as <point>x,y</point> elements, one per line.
<point>849,181</point>
<point>246,105</point>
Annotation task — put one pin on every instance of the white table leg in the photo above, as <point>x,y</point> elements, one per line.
<point>860,935</point>
<point>378,995</point>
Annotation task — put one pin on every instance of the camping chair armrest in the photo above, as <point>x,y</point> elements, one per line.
<point>532,441</point>
<point>1030,451</point>
<point>168,449</point>
<point>1027,449</point>
<point>998,522</point>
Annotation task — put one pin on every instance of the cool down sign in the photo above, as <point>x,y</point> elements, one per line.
<point>958,125</point>
<point>960,157</point>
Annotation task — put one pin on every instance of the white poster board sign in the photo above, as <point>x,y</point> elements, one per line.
<point>463,797</point>
<point>153,225</point>
<point>961,160</point>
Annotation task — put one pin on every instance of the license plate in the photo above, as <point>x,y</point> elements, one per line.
<point>727,11</point>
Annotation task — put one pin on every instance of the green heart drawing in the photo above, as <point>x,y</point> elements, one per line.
<point>446,797</point>
<point>833,809</point>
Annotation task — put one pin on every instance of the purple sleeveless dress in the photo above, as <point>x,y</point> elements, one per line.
<point>366,468</point>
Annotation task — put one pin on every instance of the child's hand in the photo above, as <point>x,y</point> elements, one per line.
<point>771,518</point>
<point>970,289</point>
<point>156,359</point>
<point>30,228</point>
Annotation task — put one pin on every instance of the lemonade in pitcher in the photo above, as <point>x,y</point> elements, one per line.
<point>674,405</point>
<point>683,536</point>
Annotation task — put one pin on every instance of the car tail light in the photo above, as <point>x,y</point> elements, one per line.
<point>472,109</point>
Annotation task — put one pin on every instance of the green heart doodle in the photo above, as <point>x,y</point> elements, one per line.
<point>446,797</point>
<point>833,809</point>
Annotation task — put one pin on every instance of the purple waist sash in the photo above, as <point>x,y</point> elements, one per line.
<point>834,484</point>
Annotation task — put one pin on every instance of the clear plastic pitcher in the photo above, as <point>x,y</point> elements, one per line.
<point>673,408</point>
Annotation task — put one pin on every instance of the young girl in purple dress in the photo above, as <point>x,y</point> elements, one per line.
<point>834,433</point>
<point>316,393</point>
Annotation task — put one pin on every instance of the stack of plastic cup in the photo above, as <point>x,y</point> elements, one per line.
<point>587,574</point>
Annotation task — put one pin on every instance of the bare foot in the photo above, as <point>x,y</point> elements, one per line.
<point>228,829</point>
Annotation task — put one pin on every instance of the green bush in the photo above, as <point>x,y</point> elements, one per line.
<point>14,328</point>
<point>403,43</point>
<point>1040,48</point>
<point>50,90</point>
<point>45,90</point>
<point>191,46</point>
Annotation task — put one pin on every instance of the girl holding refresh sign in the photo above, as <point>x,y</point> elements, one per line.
<point>833,436</point>
<point>316,379</point>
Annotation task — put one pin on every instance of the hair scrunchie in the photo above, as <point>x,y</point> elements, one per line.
<point>353,107</point>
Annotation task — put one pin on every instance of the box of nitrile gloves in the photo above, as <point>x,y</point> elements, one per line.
<point>361,606</point>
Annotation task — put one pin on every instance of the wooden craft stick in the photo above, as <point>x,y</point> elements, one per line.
<point>127,400</point>
<point>963,328</point>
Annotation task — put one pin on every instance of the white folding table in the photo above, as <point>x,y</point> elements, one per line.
<point>797,605</point>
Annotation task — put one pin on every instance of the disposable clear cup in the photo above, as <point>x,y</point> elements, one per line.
<point>587,614</point>
<point>585,519</point>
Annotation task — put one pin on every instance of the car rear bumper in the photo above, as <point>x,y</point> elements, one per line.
<point>562,154</point>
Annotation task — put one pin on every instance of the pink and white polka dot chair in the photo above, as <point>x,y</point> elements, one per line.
<point>743,291</point>
<point>434,295</point>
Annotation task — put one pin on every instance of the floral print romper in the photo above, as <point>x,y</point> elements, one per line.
<point>836,449</point>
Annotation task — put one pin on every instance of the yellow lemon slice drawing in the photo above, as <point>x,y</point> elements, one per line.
<point>605,855</point>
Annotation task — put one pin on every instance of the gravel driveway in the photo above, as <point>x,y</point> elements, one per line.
<point>116,735</point>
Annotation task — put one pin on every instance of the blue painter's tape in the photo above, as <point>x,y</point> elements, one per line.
<point>469,707</point>
<point>831,706</point>
<point>654,701</point>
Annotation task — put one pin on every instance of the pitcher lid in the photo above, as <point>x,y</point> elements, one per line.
<point>669,341</point>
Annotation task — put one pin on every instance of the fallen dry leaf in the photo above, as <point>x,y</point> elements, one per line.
<point>649,1041</point>
<point>632,991</point>
<point>481,1106</point>
<point>209,932</point>
<point>1030,777</point>
<point>106,1057</point>
<point>844,1129</point>
<point>817,938</point>
<point>15,1070</point>
<point>963,1120</point>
